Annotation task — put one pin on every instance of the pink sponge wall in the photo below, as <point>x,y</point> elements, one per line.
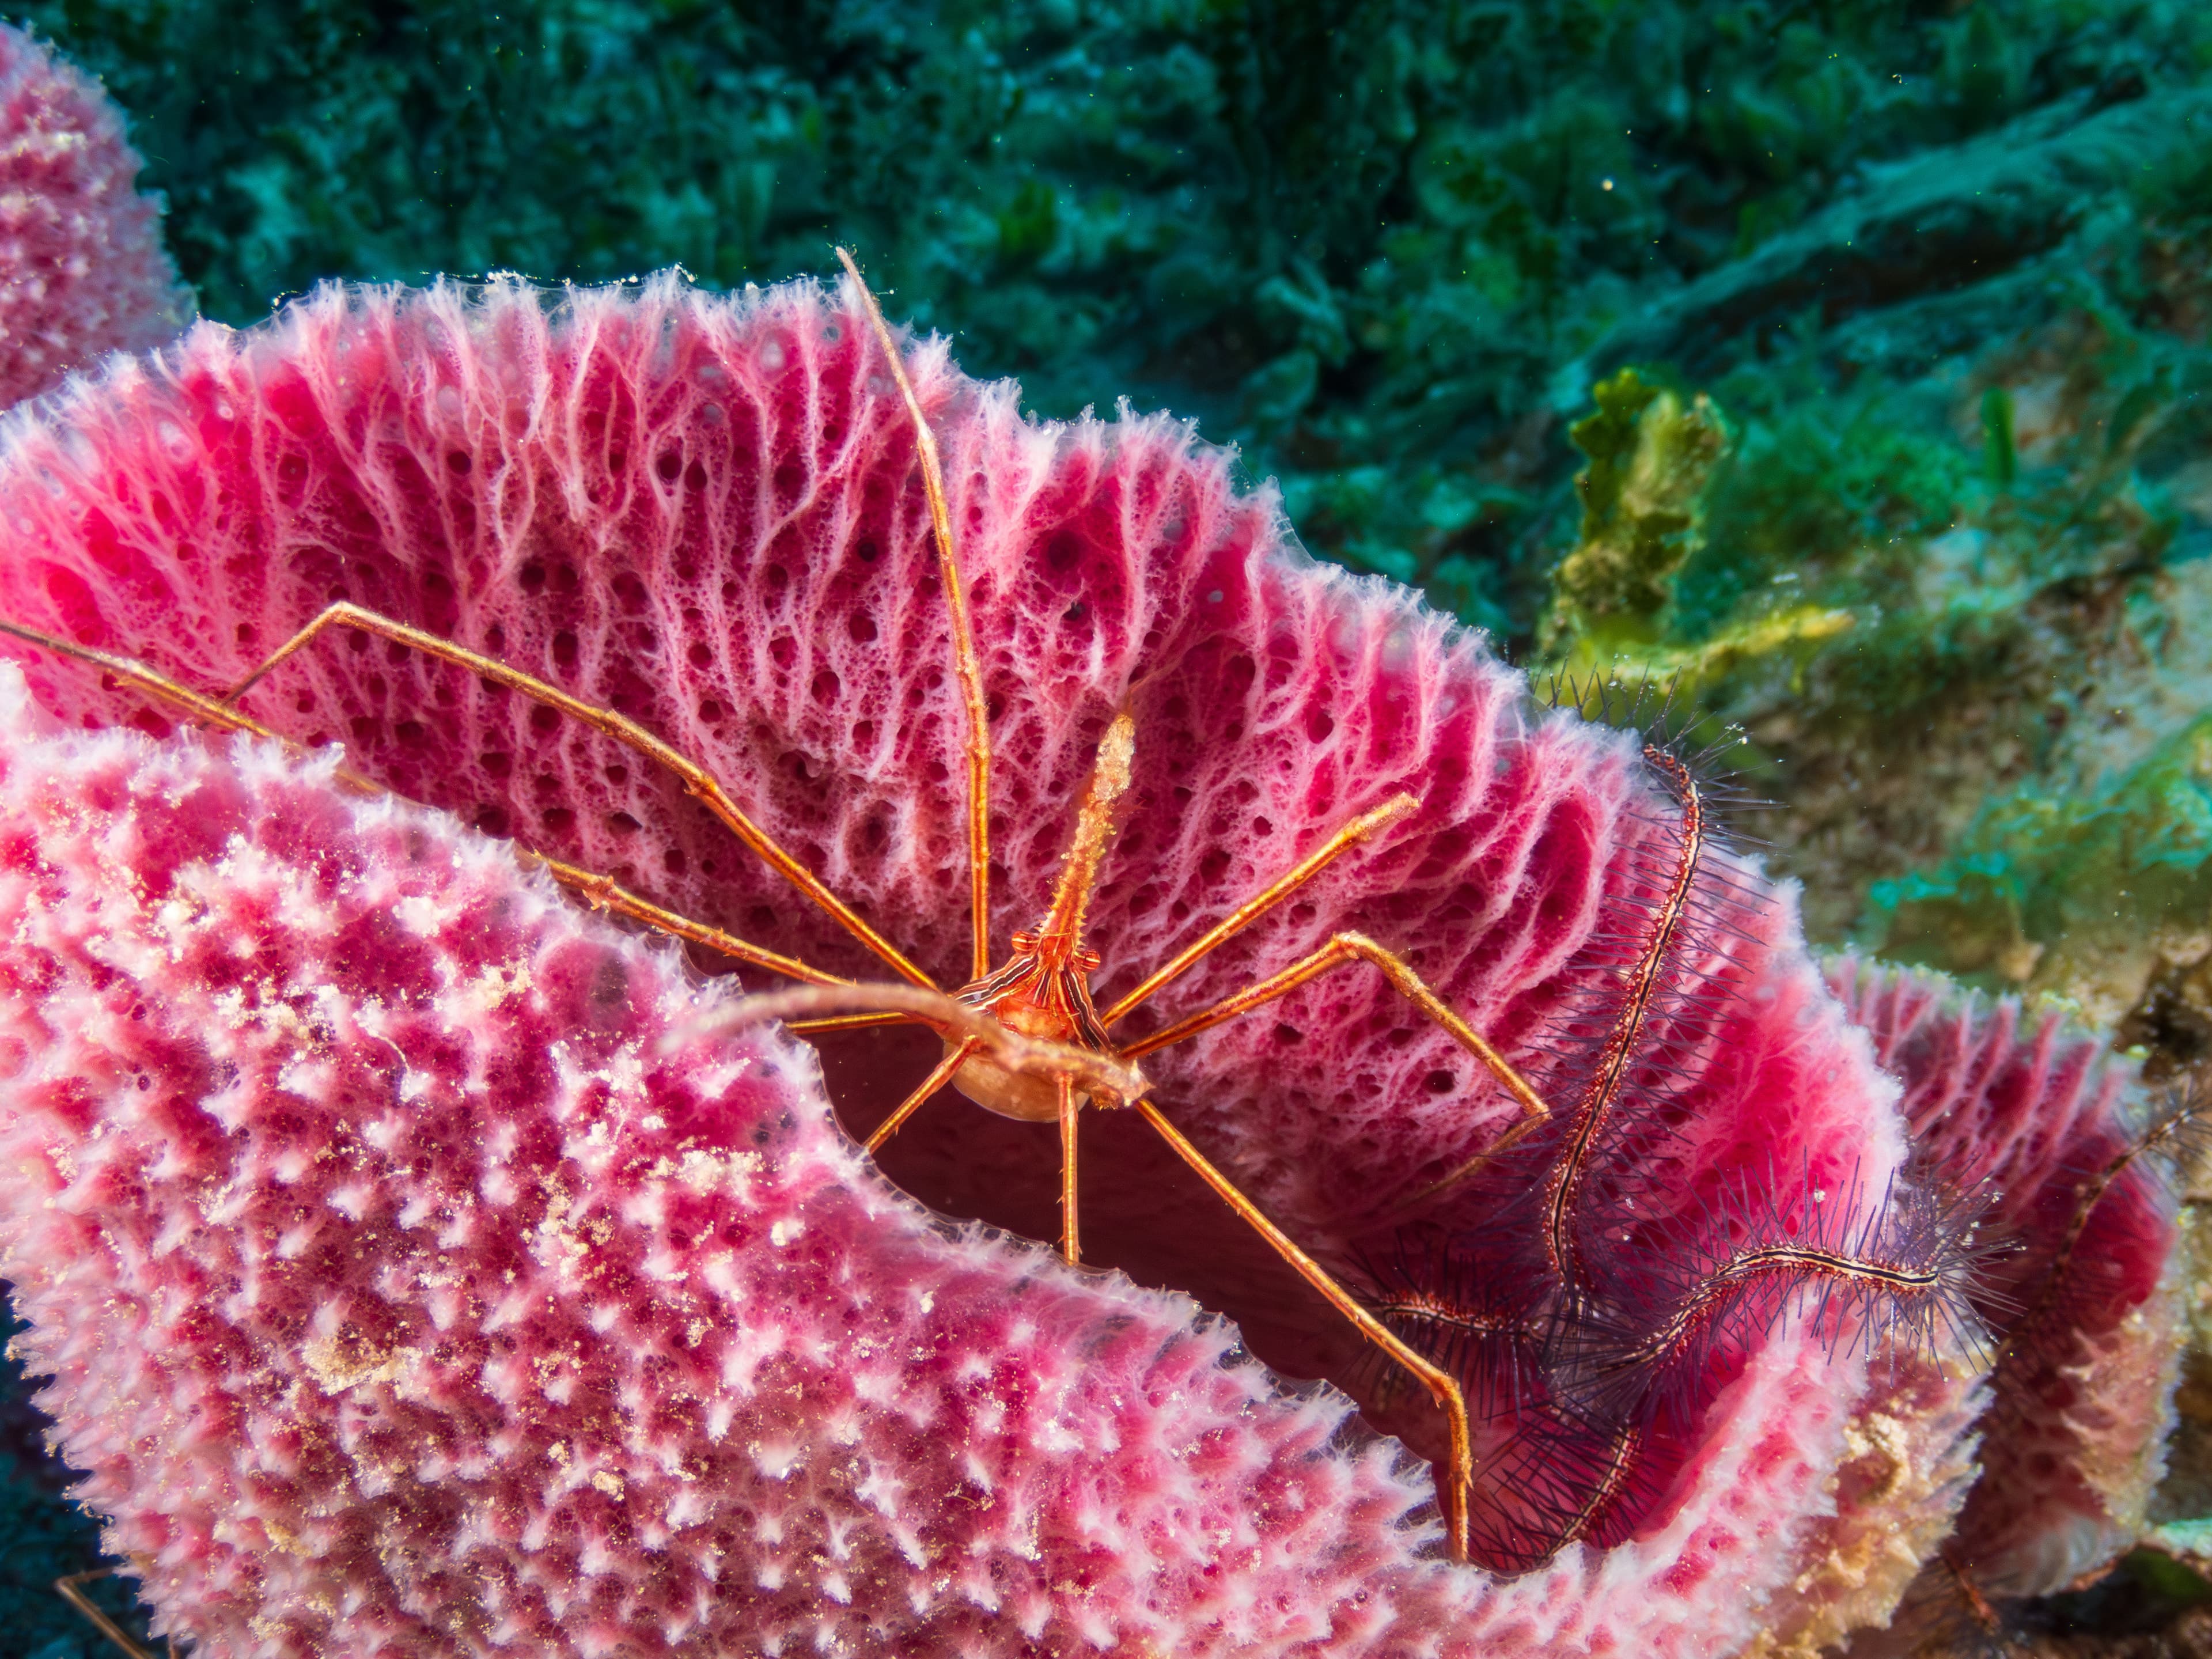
<point>704,512</point>
<point>82,270</point>
<point>440,1311</point>
<point>2043,1112</point>
<point>404,1295</point>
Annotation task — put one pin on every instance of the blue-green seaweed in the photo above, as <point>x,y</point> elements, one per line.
<point>1371,239</point>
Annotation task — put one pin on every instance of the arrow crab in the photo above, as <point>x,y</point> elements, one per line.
<point>1547,1109</point>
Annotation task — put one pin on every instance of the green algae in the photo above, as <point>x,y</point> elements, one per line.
<point>2076,892</point>
<point>1651,461</point>
<point>1927,596</point>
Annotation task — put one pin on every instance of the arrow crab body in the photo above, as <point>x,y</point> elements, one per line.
<point>1045,988</point>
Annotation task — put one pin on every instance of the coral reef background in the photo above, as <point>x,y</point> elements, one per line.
<point>1845,360</point>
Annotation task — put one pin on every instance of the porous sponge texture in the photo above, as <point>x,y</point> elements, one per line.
<point>442,1310</point>
<point>83,270</point>
<point>705,512</point>
<point>415,1277</point>
<point>2035,1111</point>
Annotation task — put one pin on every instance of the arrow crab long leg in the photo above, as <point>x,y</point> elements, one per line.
<point>965,667</point>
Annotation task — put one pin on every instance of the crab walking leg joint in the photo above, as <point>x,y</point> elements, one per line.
<point>955,1058</point>
<point>697,780</point>
<point>1340,952</point>
<point>601,892</point>
<point>1454,1483</point>
<point>1070,1244</point>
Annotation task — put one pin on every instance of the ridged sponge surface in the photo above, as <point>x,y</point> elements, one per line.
<point>82,270</point>
<point>806,1416</point>
<point>706,514</point>
<point>2043,1114</point>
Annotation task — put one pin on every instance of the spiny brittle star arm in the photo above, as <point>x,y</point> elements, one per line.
<point>2175,1127</point>
<point>696,780</point>
<point>1564,1185</point>
<point>1627,1445</point>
